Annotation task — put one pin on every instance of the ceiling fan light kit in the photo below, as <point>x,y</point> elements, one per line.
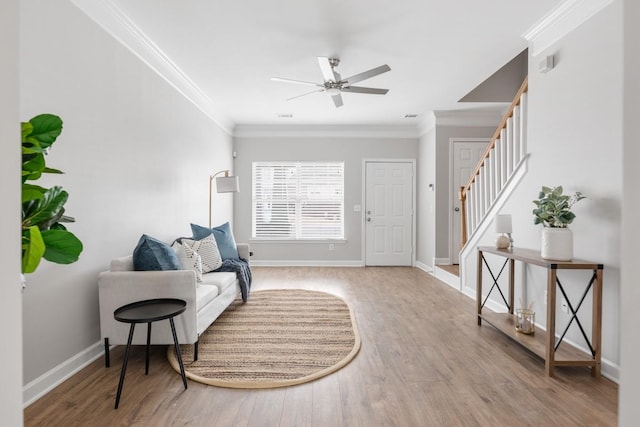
<point>334,85</point>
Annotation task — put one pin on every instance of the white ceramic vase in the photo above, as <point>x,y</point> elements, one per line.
<point>557,244</point>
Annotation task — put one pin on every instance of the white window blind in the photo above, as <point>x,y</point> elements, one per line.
<point>298,200</point>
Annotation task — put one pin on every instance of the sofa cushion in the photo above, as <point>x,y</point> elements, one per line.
<point>151,254</point>
<point>204,295</point>
<point>124,263</point>
<point>222,280</point>
<point>224,238</point>
<point>207,248</point>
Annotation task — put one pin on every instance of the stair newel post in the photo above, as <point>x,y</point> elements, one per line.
<point>462,195</point>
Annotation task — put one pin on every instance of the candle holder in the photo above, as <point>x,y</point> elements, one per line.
<point>525,321</point>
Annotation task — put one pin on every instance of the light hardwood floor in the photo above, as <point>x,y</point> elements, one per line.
<point>423,362</point>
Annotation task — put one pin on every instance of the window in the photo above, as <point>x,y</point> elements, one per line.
<point>298,200</point>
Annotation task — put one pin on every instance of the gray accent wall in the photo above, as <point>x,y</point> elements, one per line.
<point>10,288</point>
<point>435,203</point>
<point>137,158</point>
<point>444,194</point>
<point>351,150</point>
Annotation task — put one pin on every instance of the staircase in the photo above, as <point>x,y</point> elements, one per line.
<point>499,169</point>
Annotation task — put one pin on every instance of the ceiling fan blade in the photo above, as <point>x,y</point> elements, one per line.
<point>327,71</point>
<point>367,74</point>
<point>369,90</point>
<point>300,82</point>
<point>304,94</point>
<point>337,100</point>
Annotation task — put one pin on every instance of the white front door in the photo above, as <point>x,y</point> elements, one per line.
<point>466,155</point>
<point>389,213</point>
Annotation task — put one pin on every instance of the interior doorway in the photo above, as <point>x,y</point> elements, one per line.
<point>464,156</point>
<point>389,220</point>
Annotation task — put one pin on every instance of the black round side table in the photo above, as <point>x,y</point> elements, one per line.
<point>149,311</point>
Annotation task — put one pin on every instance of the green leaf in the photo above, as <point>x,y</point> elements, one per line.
<point>26,128</point>
<point>33,163</point>
<point>51,170</point>
<point>46,128</point>
<point>30,149</point>
<point>62,247</point>
<point>33,248</point>
<point>32,192</point>
<point>46,210</point>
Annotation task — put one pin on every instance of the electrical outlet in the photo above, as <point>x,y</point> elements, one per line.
<point>564,306</point>
<point>331,247</point>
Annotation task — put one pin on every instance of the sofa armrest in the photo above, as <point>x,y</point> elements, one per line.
<point>244,251</point>
<point>117,288</point>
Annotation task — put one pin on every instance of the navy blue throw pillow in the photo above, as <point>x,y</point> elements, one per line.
<point>151,254</point>
<point>224,238</point>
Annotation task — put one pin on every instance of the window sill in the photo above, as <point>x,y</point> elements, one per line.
<point>303,241</point>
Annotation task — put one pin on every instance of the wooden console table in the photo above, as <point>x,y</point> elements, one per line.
<point>544,344</point>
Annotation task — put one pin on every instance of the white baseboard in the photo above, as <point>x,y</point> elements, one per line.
<point>441,261</point>
<point>424,267</point>
<point>56,376</point>
<point>446,277</point>
<point>307,263</point>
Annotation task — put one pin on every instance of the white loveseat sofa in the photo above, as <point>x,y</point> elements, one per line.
<point>206,300</point>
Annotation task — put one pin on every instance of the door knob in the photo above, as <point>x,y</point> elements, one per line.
<point>457,209</point>
<point>368,219</point>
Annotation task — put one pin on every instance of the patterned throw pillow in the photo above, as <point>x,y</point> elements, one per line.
<point>207,248</point>
<point>189,259</point>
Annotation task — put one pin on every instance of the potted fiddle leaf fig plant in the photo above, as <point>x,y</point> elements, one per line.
<point>553,211</point>
<point>43,213</point>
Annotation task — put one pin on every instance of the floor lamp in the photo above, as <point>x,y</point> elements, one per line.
<point>224,184</point>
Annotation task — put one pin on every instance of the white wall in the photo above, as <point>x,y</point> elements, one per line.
<point>575,140</point>
<point>426,224</point>
<point>10,288</point>
<point>137,157</point>
<point>629,412</point>
<point>351,150</point>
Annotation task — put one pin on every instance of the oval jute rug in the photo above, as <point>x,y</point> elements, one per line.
<point>278,338</point>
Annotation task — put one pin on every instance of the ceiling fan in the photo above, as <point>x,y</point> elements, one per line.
<point>334,85</point>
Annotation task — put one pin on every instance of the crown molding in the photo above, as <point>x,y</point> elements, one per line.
<point>560,21</point>
<point>116,23</point>
<point>324,131</point>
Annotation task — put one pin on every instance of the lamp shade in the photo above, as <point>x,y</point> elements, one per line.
<point>502,223</point>
<point>227,184</point>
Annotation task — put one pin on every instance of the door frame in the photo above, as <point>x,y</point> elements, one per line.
<point>363,198</point>
<point>453,192</point>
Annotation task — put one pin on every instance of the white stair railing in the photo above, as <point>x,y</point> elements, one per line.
<point>507,148</point>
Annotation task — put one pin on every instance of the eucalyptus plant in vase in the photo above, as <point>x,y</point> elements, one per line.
<point>43,214</point>
<point>553,211</point>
